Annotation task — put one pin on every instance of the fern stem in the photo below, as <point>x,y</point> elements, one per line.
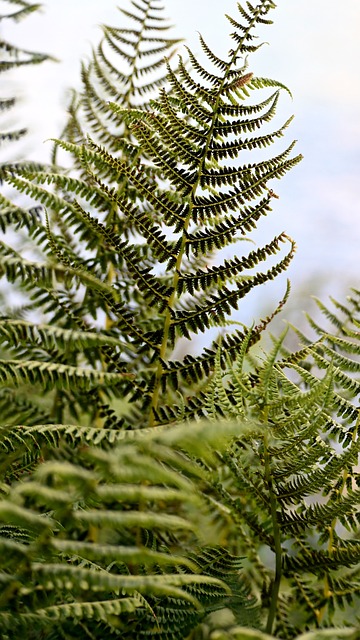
<point>131,89</point>
<point>277,542</point>
<point>164,344</point>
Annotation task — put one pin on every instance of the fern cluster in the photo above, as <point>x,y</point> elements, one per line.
<point>114,520</point>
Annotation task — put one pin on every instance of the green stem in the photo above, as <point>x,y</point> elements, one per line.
<point>277,542</point>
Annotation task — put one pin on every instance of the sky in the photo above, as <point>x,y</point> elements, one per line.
<point>313,47</point>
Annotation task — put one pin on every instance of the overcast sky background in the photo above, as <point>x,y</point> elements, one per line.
<point>313,47</point>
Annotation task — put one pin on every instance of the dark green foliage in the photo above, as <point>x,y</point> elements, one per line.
<point>283,495</point>
<point>117,275</point>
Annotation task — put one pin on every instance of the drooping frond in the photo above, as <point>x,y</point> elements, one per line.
<point>107,561</point>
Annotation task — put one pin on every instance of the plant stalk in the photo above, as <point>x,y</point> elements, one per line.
<point>277,542</point>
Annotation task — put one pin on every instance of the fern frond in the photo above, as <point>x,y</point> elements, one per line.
<point>80,583</point>
<point>50,374</point>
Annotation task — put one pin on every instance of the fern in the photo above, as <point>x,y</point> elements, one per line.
<point>116,520</point>
<point>131,232</point>
<point>287,485</point>
<point>127,66</point>
<point>292,482</point>
<point>102,556</point>
<point>13,57</point>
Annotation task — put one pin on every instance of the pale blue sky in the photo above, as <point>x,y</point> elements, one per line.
<point>314,48</point>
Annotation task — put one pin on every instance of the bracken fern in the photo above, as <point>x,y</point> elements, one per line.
<point>117,522</point>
